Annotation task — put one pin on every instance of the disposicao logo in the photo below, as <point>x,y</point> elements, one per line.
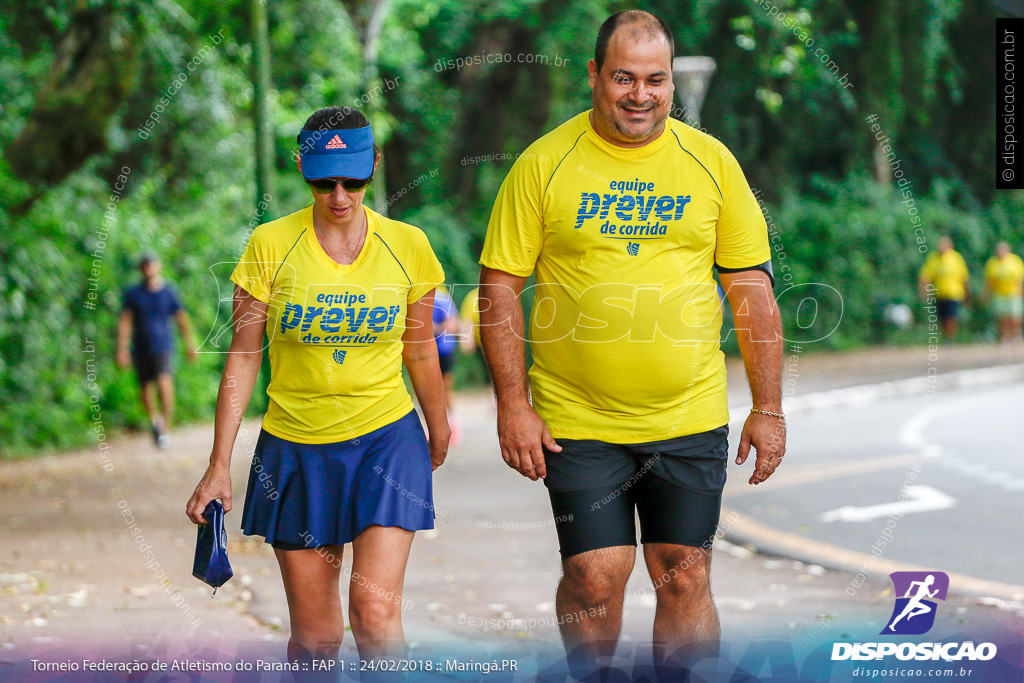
<point>914,614</point>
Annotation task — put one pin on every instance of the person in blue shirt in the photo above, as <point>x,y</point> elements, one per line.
<point>446,330</point>
<point>146,321</point>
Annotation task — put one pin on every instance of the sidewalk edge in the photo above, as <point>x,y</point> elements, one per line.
<point>745,530</point>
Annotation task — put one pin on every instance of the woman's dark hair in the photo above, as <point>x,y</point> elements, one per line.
<point>337,118</point>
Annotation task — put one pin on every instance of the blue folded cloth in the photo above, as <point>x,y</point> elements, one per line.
<point>211,565</point>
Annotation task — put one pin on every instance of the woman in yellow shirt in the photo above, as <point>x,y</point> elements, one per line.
<point>345,297</point>
<point>1004,277</point>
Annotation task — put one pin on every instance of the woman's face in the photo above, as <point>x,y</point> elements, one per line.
<point>339,204</point>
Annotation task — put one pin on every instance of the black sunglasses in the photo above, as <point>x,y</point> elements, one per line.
<point>325,185</point>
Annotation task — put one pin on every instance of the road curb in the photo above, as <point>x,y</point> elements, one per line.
<point>745,530</point>
<point>868,393</point>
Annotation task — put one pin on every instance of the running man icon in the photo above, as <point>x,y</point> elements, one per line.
<point>915,588</point>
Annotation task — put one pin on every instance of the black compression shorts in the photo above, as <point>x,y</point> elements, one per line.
<point>675,486</point>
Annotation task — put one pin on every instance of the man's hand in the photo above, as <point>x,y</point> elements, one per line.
<point>216,483</point>
<point>124,359</point>
<point>522,434</point>
<point>767,434</point>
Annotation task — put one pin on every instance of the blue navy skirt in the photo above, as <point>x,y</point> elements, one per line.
<point>309,495</point>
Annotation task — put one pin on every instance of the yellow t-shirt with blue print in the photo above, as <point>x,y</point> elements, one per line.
<point>627,317</point>
<point>336,330</point>
<point>1005,276</point>
<point>948,273</point>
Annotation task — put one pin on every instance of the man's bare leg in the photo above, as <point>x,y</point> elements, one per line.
<point>166,382</point>
<point>149,400</point>
<point>686,626</point>
<point>588,603</point>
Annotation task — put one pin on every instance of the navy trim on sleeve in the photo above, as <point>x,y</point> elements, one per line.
<point>272,282</point>
<point>765,267</point>
<point>699,162</point>
<point>563,159</point>
<point>404,272</point>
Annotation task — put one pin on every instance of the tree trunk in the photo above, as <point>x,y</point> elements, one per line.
<point>261,114</point>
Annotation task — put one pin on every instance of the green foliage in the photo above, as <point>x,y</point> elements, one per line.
<point>852,246</point>
<point>798,132</point>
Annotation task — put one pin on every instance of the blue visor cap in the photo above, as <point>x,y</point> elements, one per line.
<point>336,153</point>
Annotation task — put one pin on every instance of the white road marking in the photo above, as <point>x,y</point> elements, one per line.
<point>966,468</point>
<point>921,499</point>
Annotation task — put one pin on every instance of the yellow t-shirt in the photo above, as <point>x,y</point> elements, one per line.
<point>626,318</point>
<point>1005,276</point>
<point>335,330</point>
<point>470,311</point>
<point>948,273</point>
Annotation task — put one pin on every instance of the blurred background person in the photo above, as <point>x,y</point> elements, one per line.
<point>146,315</point>
<point>446,330</point>
<point>946,271</point>
<point>1004,281</point>
<point>469,312</point>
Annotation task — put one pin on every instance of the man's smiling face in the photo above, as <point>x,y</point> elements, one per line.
<point>632,93</point>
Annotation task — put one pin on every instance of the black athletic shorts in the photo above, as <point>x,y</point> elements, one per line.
<point>947,308</point>
<point>149,365</point>
<point>675,486</point>
<point>447,362</point>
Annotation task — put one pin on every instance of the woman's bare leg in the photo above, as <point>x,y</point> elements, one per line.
<point>379,558</point>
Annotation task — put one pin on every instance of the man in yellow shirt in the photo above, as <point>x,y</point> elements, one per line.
<point>1004,278</point>
<point>945,275</point>
<point>622,213</point>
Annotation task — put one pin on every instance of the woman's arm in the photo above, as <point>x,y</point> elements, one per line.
<point>249,321</point>
<point>420,357</point>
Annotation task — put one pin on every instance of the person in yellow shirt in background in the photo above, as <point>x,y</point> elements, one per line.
<point>345,297</point>
<point>469,313</point>
<point>446,335</point>
<point>623,213</point>
<point>1004,279</point>
<point>945,276</point>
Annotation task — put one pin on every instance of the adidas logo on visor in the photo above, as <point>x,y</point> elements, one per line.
<point>336,143</point>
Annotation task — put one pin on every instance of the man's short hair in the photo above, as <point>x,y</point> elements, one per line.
<point>644,25</point>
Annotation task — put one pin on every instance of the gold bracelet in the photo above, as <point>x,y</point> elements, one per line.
<point>781,416</point>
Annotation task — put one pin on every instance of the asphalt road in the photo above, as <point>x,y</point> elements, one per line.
<point>959,454</point>
<point>73,574</point>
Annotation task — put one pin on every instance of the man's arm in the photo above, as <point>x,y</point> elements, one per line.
<point>521,431</point>
<point>968,296</point>
<point>924,279</point>
<point>759,332</point>
<point>124,335</point>
<point>181,317</point>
